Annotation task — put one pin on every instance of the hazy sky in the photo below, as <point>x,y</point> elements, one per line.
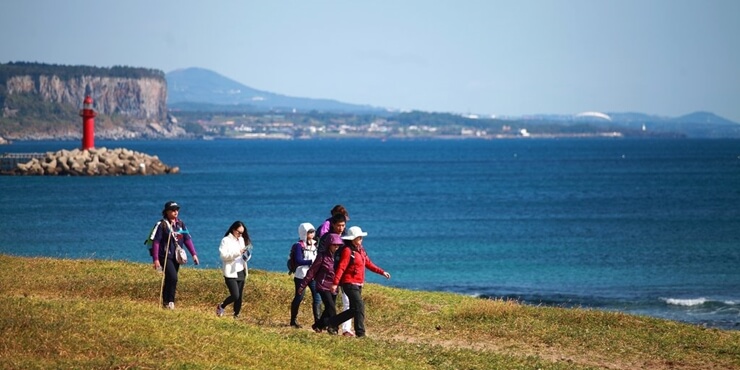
<point>515,57</point>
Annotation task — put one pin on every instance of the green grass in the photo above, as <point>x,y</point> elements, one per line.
<point>58,313</point>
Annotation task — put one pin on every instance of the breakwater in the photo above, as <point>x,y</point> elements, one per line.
<point>92,162</point>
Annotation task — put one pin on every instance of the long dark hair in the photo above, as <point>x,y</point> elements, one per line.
<point>235,226</point>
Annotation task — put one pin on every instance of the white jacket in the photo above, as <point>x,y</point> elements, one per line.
<point>309,252</point>
<point>231,255</point>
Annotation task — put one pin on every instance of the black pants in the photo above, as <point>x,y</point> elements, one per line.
<point>236,292</point>
<point>356,309</point>
<point>316,306</point>
<point>171,268</point>
<point>330,309</point>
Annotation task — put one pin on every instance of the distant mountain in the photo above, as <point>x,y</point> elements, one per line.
<point>201,89</point>
<point>704,117</point>
<point>693,125</point>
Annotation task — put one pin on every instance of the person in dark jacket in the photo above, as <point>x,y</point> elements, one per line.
<point>325,226</point>
<point>322,273</point>
<point>170,233</point>
<point>337,223</point>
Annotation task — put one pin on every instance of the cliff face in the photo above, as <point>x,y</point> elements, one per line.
<point>139,99</point>
<point>42,101</point>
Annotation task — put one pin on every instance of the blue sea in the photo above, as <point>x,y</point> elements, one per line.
<point>648,227</point>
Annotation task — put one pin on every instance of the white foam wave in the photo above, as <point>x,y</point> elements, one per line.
<point>685,302</point>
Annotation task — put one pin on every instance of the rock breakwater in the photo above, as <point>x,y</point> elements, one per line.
<point>93,162</point>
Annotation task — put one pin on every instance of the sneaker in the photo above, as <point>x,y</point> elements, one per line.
<point>332,331</point>
<point>219,310</point>
<point>295,324</point>
<point>171,305</point>
<point>316,328</point>
<point>348,334</point>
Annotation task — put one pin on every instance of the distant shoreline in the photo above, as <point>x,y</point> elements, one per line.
<point>279,137</point>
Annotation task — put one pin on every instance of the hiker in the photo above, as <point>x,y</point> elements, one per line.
<point>170,233</point>
<point>350,274</point>
<point>321,274</point>
<point>304,253</point>
<point>326,225</point>
<point>235,251</point>
<point>337,222</point>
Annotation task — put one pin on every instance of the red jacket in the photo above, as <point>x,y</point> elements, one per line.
<point>354,272</point>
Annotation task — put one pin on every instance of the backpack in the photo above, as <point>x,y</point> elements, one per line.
<point>150,239</point>
<point>292,263</point>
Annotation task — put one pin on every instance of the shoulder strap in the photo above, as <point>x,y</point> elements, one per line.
<point>351,254</point>
<point>166,222</point>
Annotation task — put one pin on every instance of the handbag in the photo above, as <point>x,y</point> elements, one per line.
<point>180,255</point>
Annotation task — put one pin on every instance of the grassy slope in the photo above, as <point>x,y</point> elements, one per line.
<point>104,314</point>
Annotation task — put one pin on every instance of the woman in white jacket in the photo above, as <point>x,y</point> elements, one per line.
<point>235,251</point>
<point>304,253</point>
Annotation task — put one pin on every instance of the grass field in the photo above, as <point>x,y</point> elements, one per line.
<point>58,313</point>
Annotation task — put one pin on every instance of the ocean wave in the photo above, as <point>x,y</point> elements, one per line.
<point>685,301</point>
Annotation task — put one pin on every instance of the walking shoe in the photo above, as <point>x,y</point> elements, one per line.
<point>295,324</point>
<point>219,310</point>
<point>316,328</point>
<point>332,331</point>
<point>348,334</point>
<point>171,305</point>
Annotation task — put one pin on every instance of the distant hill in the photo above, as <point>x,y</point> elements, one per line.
<point>200,89</point>
<point>705,118</point>
<point>693,125</point>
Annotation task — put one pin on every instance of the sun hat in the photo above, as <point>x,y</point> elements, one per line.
<point>171,205</point>
<point>353,233</point>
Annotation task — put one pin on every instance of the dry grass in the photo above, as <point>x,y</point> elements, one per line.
<point>103,314</point>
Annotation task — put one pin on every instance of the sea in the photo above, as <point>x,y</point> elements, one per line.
<point>645,227</point>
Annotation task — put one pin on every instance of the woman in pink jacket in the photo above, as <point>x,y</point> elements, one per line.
<point>350,274</point>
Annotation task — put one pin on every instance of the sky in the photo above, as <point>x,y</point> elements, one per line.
<point>486,57</point>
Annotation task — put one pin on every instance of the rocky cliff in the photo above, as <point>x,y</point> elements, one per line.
<point>136,98</point>
<point>39,101</point>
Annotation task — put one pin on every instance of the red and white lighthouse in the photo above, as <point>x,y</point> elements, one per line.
<point>88,124</point>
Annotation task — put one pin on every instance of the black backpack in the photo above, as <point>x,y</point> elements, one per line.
<point>292,264</point>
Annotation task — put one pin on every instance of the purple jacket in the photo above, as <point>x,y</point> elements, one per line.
<point>180,235</point>
<point>322,271</point>
<point>323,229</point>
